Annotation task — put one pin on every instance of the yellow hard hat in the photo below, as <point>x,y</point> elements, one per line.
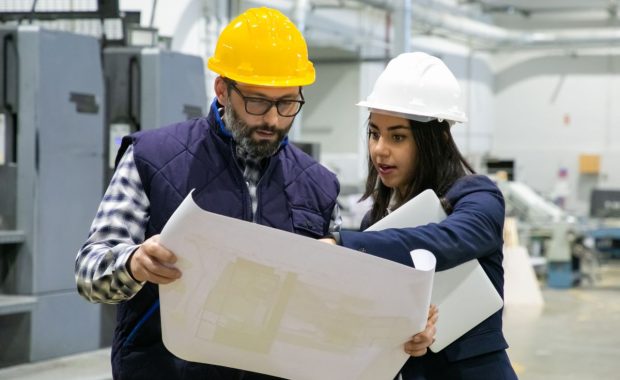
<point>263,47</point>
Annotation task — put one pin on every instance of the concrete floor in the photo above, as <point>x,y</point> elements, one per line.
<point>576,335</point>
<point>93,365</point>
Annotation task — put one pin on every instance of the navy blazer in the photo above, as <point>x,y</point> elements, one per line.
<point>474,229</point>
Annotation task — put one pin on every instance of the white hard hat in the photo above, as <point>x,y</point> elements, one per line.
<point>417,86</point>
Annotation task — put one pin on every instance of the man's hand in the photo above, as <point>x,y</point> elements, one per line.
<point>153,263</point>
<point>418,345</point>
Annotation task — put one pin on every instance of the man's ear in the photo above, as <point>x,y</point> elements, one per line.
<point>221,90</point>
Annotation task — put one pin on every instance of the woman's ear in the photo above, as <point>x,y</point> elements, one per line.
<point>221,90</point>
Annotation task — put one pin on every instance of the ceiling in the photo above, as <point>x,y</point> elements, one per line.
<point>347,29</point>
<point>543,5</point>
<point>547,14</point>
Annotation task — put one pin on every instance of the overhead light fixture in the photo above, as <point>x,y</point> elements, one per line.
<point>136,35</point>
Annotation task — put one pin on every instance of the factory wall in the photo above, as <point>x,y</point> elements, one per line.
<point>551,110</point>
<point>331,118</point>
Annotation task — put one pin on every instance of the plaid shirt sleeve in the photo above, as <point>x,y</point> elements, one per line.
<point>117,231</point>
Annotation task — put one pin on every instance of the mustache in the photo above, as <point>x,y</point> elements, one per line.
<point>264,127</point>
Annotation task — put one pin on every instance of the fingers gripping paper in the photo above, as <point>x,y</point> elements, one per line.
<point>464,294</point>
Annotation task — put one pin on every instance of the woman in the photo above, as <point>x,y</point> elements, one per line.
<point>412,107</point>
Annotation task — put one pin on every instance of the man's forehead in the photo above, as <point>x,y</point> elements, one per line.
<point>268,91</point>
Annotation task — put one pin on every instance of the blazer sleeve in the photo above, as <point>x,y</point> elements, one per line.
<point>472,230</point>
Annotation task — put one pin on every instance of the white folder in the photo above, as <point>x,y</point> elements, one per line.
<point>464,294</point>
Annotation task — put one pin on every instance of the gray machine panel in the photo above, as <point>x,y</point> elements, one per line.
<point>69,107</point>
<point>605,203</point>
<point>59,165</point>
<point>27,42</point>
<point>8,109</point>
<point>63,324</point>
<point>122,67</point>
<point>147,88</point>
<point>173,88</point>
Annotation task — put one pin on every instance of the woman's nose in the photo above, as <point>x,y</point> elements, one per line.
<point>380,147</point>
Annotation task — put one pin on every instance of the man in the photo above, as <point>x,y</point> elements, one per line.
<point>239,163</point>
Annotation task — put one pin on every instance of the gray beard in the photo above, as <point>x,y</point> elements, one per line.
<point>242,134</point>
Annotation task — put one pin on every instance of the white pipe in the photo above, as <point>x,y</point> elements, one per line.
<point>300,10</point>
<point>334,33</point>
<point>402,28</point>
<point>215,15</point>
<point>447,15</point>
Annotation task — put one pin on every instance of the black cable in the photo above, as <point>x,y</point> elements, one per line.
<point>153,13</point>
<point>32,10</point>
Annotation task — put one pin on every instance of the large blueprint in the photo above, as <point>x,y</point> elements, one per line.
<point>264,300</point>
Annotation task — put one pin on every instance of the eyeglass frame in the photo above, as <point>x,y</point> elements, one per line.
<point>233,85</point>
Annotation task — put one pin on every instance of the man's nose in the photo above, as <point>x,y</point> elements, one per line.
<point>272,117</point>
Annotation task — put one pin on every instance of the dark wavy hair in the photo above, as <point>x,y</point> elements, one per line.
<point>438,165</point>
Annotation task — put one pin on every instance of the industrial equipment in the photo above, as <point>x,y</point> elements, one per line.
<point>147,88</point>
<point>547,230</point>
<point>605,209</point>
<point>52,106</point>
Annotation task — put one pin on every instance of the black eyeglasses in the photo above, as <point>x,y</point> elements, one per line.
<point>260,106</point>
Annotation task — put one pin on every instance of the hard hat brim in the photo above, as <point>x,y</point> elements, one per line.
<point>407,114</point>
<point>267,81</point>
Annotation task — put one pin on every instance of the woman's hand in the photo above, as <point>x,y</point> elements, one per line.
<point>418,344</point>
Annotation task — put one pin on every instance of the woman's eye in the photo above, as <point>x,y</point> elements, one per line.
<point>373,135</point>
<point>398,137</point>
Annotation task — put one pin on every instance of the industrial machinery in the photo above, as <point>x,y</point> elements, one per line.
<point>52,158</point>
<point>605,209</point>
<point>60,128</point>
<point>147,88</point>
<point>548,231</point>
<point>66,100</point>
